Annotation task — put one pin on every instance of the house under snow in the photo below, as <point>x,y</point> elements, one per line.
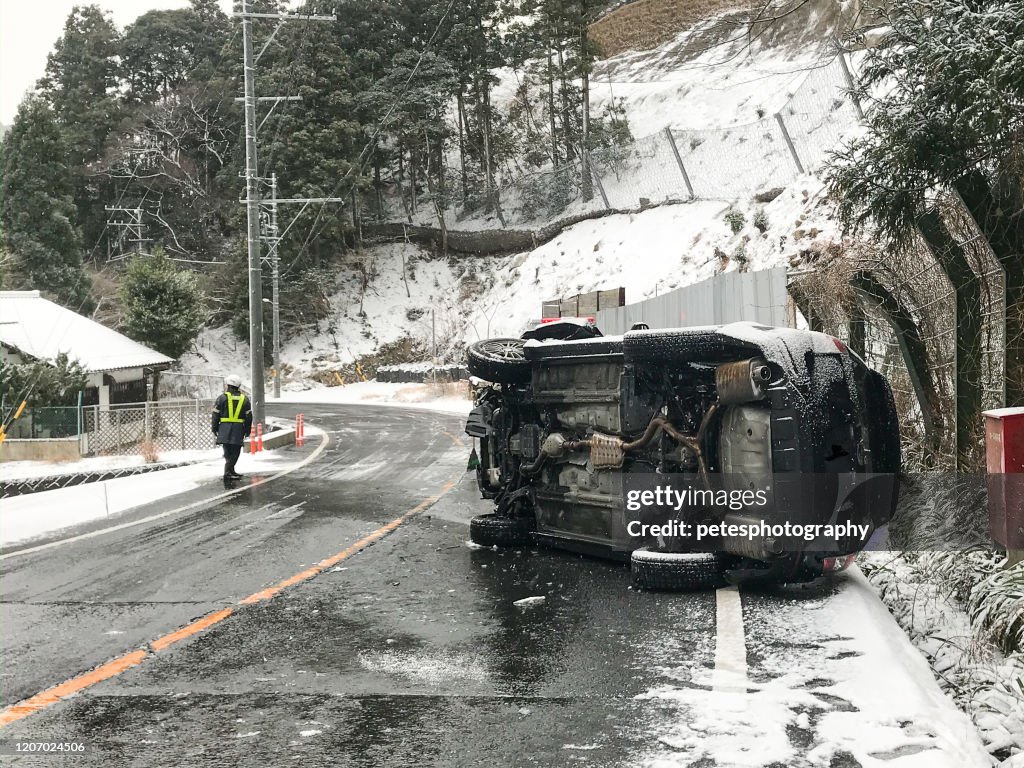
<point>34,328</point>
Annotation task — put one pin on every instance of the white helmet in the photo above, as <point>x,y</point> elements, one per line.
<point>233,380</point>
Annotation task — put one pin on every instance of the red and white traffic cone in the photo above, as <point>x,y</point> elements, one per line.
<point>259,437</point>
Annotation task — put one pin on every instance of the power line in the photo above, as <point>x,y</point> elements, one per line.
<point>364,155</point>
<point>252,198</point>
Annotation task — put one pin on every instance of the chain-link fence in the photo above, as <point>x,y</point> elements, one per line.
<point>172,385</point>
<point>183,425</point>
<point>933,321</point>
<point>678,165</point>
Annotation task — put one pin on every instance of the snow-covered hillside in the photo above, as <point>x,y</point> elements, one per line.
<point>462,298</point>
<point>474,297</point>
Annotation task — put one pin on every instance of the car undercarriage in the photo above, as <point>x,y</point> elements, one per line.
<point>570,424</point>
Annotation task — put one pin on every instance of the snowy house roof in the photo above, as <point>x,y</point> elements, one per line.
<point>38,328</point>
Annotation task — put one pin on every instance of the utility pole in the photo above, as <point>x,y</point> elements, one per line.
<point>252,209</point>
<point>252,199</point>
<point>130,229</point>
<point>275,271</point>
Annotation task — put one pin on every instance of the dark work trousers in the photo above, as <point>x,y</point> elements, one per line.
<point>231,453</point>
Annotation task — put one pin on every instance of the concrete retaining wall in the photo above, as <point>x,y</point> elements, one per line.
<point>483,242</point>
<point>49,449</point>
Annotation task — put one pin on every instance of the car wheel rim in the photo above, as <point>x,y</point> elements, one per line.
<point>504,350</point>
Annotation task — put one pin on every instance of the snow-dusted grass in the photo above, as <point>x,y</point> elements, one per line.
<point>920,590</point>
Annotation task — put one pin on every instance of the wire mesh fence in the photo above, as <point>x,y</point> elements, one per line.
<point>934,322</point>
<point>173,385</point>
<point>677,165</point>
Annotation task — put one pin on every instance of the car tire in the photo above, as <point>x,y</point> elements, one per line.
<point>501,361</point>
<point>495,531</point>
<point>679,345</point>
<point>677,571</point>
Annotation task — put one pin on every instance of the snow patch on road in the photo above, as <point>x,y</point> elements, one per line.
<point>530,602</point>
<point>424,667</point>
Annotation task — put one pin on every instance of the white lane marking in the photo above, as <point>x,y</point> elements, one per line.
<point>91,534</point>
<point>730,643</point>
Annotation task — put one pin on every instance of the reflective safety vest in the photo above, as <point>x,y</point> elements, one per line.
<point>235,403</point>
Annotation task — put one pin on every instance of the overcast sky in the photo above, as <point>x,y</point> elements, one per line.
<point>29,28</point>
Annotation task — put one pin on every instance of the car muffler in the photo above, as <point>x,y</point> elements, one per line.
<point>742,381</point>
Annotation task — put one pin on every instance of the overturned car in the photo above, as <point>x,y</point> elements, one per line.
<point>703,455</point>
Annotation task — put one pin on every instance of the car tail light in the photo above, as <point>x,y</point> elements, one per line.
<point>836,564</point>
<point>840,345</point>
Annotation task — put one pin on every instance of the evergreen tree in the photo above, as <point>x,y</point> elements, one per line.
<point>161,305</point>
<point>162,50</point>
<point>45,383</point>
<point>313,145</point>
<point>37,211</point>
<point>81,84</point>
<point>951,115</point>
<point>409,104</point>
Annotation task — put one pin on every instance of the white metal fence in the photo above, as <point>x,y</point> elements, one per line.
<point>759,297</point>
<point>172,426</point>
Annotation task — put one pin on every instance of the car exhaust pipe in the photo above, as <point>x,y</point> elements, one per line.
<point>742,381</point>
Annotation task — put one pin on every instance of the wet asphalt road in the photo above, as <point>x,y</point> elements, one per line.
<point>409,653</point>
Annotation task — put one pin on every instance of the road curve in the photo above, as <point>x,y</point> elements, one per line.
<point>353,626</point>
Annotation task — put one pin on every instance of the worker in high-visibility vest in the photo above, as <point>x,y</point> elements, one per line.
<point>232,423</point>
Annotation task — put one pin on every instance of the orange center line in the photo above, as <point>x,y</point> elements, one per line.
<point>116,666</point>
<point>190,629</point>
<point>454,438</point>
<point>74,685</point>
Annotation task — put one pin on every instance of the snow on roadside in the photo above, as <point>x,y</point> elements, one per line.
<point>29,470</point>
<point>851,685</point>
<point>986,684</point>
<point>32,516</point>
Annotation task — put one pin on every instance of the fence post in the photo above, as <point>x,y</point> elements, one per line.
<point>789,142</point>
<point>199,429</point>
<point>597,179</point>
<point>851,85</point>
<point>679,161</point>
<point>147,425</point>
<point>181,426</point>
